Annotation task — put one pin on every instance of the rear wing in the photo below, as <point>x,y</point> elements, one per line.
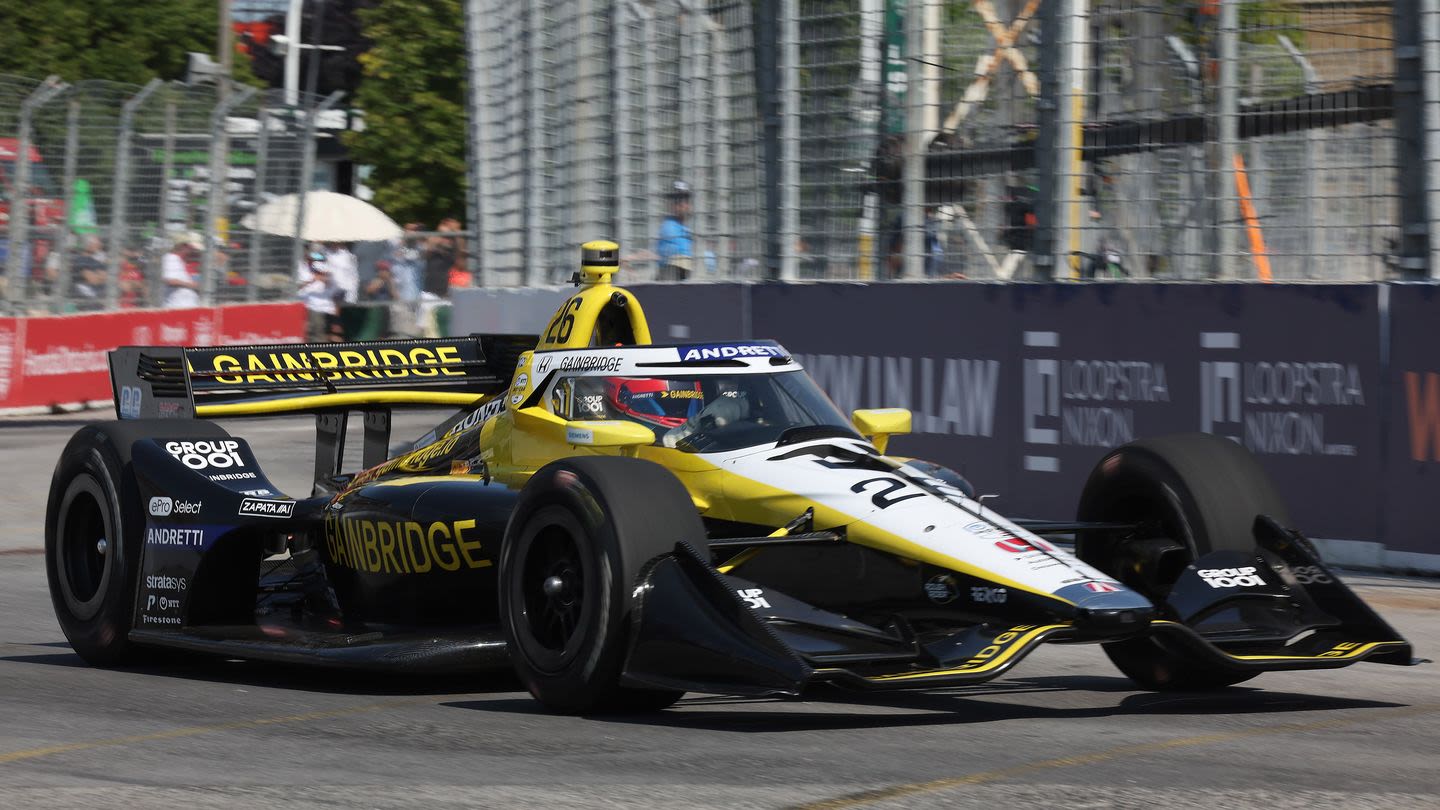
<point>182,383</point>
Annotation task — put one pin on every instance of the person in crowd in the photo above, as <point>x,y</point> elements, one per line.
<point>87,284</point>
<point>382,287</point>
<point>319,293</point>
<point>180,271</point>
<point>406,262</point>
<point>340,261</point>
<point>675,246</point>
<point>131,280</point>
<point>439,258</point>
<point>441,253</point>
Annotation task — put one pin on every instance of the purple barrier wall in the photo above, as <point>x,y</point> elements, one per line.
<point>1412,383</point>
<point>1024,387</point>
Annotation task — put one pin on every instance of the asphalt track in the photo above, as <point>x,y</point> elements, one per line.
<point>1064,730</point>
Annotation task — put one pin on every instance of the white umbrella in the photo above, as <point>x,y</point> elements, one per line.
<point>329,217</point>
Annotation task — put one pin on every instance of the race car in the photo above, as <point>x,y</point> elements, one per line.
<point>622,522</point>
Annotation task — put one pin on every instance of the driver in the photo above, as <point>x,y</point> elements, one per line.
<point>655,402</point>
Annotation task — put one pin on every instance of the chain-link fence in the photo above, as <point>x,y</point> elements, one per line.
<point>985,139</point>
<point>606,119</point>
<point>105,186</point>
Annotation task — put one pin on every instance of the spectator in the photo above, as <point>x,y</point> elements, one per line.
<point>439,258</point>
<point>131,280</point>
<point>319,293</point>
<point>87,288</point>
<point>180,270</point>
<point>440,255</point>
<point>382,287</point>
<point>343,270</point>
<point>674,245</point>
<point>406,261</point>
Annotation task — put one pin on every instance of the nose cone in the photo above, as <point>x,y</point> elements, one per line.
<point>1108,610</point>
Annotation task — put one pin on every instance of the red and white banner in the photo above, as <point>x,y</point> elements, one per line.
<point>62,360</point>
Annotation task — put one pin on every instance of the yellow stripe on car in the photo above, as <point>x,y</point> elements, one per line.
<point>981,662</point>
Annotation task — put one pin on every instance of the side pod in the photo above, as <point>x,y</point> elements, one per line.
<point>690,631</point>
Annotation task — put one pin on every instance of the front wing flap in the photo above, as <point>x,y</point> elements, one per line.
<point>1278,607</point>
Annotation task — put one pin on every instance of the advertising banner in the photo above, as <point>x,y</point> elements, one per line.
<point>943,351</point>
<point>1023,388</point>
<point>62,359</point>
<point>1412,474</point>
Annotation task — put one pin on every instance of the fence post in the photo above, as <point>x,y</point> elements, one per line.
<point>307,169</point>
<point>1430,59</point>
<point>122,188</point>
<point>19,204</point>
<point>535,237</point>
<point>476,107</point>
<point>652,106</point>
<point>72,155</point>
<point>1229,120</point>
<point>219,176</point>
<point>167,168</point>
<point>262,158</point>
<point>620,87</point>
<point>1411,139</point>
<point>913,175</point>
<point>1057,146</point>
<point>790,139</point>
<point>1312,142</point>
<point>724,199</point>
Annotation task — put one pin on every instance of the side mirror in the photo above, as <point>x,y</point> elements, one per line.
<point>879,424</point>
<point>609,433</point>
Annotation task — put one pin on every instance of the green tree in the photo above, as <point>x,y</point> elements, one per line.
<point>119,40</point>
<point>413,96</point>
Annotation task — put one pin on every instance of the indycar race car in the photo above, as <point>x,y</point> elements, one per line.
<point>623,522</point>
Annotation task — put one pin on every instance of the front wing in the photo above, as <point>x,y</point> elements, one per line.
<point>693,629</point>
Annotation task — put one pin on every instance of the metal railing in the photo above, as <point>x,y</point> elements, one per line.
<point>115,176</point>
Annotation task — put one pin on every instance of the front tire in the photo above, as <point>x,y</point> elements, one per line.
<point>582,531</point>
<point>94,528</point>
<point>1198,490</point>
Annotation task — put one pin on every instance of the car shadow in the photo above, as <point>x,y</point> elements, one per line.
<point>828,708</point>
<point>265,674</point>
<point>822,708</point>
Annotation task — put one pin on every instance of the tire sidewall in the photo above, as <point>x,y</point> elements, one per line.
<point>99,628</point>
<point>600,654</point>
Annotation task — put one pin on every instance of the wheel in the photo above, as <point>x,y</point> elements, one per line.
<point>581,532</point>
<point>1201,491</point>
<point>94,528</point>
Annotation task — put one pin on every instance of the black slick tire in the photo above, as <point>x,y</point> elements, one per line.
<point>581,532</point>
<point>1199,490</point>
<point>94,525</point>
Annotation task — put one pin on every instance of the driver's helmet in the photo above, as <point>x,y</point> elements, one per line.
<point>666,403</point>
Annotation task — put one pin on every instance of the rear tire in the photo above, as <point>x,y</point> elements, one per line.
<point>579,536</point>
<point>94,528</point>
<point>1200,490</point>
